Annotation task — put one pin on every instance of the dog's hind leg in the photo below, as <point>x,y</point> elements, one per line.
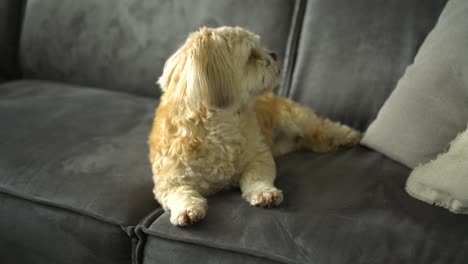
<point>295,126</point>
<point>325,135</point>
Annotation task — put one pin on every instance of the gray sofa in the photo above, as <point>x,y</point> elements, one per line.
<point>77,98</point>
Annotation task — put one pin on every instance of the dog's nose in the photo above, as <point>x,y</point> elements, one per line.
<point>273,55</point>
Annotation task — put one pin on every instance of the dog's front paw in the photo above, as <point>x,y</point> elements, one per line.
<point>188,216</point>
<point>265,198</point>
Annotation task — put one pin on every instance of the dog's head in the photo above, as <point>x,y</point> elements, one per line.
<point>218,68</point>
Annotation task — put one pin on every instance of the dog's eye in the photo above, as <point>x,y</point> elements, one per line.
<point>254,55</point>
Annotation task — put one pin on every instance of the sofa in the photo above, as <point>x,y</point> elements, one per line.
<point>77,99</point>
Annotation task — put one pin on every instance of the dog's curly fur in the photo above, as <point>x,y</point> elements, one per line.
<point>218,124</point>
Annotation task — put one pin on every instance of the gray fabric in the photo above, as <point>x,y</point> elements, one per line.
<point>352,53</point>
<point>10,23</point>
<point>138,231</point>
<point>343,207</point>
<point>32,233</point>
<point>122,45</point>
<point>169,251</point>
<point>77,148</point>
<point>429,105</point>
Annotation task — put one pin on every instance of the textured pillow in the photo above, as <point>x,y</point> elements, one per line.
<point>444,181</point>
<point>429,106</point>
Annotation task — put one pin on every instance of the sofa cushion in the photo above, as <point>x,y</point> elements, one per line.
<point>122,45</point>
<point>41,234</point>
<point>429,105</point>
<point>352,53</point>
<point>77,148</point>
<point>344,207</point>
<point>194,253</point>
<point>10,24</point>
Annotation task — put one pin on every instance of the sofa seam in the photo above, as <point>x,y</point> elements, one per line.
<point>252,253</point>
<point>291,47</point>
<point>129,230</point>
<point>138,237</point>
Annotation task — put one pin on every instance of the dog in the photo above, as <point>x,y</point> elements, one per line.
<point>219,125</point>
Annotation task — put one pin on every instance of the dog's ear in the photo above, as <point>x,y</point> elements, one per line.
<point>211,79</point>
<point>201,72</point>
<point>173,68</point>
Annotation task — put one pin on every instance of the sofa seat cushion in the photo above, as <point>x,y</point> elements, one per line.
<point>77,148</point>
<point>41,234</point>
<point>343,207</point>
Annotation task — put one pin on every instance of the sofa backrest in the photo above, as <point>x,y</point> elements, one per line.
<point>10,23</point>
<point>123,44</point>
<point>343,58</point>
<point>352,53</point>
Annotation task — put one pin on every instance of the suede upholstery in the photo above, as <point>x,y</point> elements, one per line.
<point>63,142</point>
<point>202,254</point>
<point>343,207</point>
<point>44,234</point>
<point>75,181</point>
<point>122,45</point>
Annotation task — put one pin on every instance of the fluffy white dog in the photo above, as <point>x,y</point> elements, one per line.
<point>218,124</point>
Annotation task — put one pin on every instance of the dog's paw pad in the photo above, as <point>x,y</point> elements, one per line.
<point>266,198</point>
<point>188,216</point>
